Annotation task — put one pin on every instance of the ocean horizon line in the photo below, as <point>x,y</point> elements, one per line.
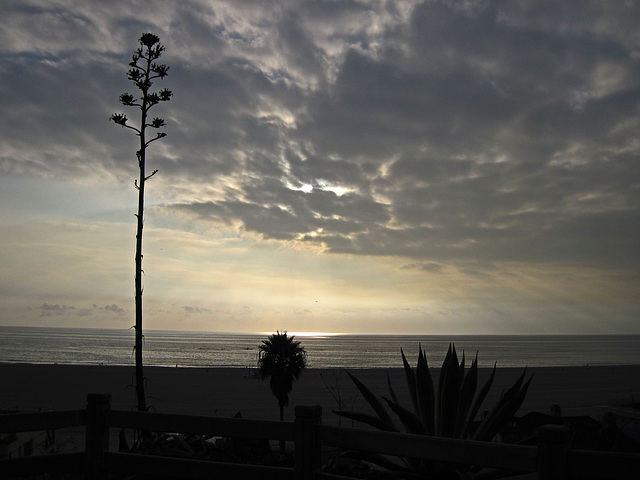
<point>92,346</point>
<point>327,334</point>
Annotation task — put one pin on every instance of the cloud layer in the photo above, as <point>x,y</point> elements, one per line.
<point>481,138</point>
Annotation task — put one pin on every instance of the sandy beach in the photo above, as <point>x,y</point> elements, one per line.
<point>226,391</point>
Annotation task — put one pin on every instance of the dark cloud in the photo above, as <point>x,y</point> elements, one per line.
<point>429,267</point>
<point>48,310</point>
<point>438,131</point>
<point>114,308</point>
<point>189,309</point>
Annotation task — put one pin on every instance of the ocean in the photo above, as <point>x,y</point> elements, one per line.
<point>207,349</point>
<point>74,346</point>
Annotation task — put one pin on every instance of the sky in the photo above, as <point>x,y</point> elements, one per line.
<point>416,167</point>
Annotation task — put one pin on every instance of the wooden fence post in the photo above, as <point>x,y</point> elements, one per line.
<point>553,442</point>
<point>97,434</point>
<point>307,449</point>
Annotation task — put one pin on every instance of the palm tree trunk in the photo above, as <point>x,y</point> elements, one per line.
<point>282,420</point>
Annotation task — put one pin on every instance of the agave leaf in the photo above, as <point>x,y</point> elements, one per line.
<point>514,397</point>
<point>516,386</point>
<point>372,400</point>
<point>438,414</point>
<point>377,459</point>
<point>450,409</point>
<point>477,402</point>
<point>426,396</point>
<point>492,422</point>
<point>411,468</point>
<point>519,382</point>
<point>502,413</point>
<point>411,380</point>
<point>445,365</point>
<point>467,393</point>
<point>449,393</point>
<point>371,420</point>
<point>519,399</point>
<point>410,420</point>
<point>391,392</point>
<point>507,396</point>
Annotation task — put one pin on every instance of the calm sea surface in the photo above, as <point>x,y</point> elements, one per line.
<point>206,349</point>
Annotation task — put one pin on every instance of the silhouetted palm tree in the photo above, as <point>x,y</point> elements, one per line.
<point>281,359</point>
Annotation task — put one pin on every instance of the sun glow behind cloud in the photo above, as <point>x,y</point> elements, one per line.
<point>346,167</point>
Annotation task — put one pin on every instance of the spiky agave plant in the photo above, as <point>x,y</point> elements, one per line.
<point>446,411</point>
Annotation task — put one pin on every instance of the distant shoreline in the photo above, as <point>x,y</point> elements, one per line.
<point>244,367</point>
<point>225,391</point>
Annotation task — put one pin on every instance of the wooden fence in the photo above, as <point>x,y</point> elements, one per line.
<point>549,460</point>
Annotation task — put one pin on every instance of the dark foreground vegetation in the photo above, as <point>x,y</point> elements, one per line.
<point>206,447</point>
<point>445,433</point>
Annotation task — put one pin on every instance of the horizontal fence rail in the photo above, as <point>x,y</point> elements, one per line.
<point>467,452</point>
<point>33,422</point>
<point>224,427</point>
<point>42,464</point>
<point>550,459</point>
<point>193,469</point>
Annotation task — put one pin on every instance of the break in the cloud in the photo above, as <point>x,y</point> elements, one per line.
<point>374,166</point>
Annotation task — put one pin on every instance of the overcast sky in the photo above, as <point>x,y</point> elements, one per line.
<point>431,167</point>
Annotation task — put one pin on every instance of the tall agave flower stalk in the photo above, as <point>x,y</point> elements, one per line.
<point>448,409</point>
